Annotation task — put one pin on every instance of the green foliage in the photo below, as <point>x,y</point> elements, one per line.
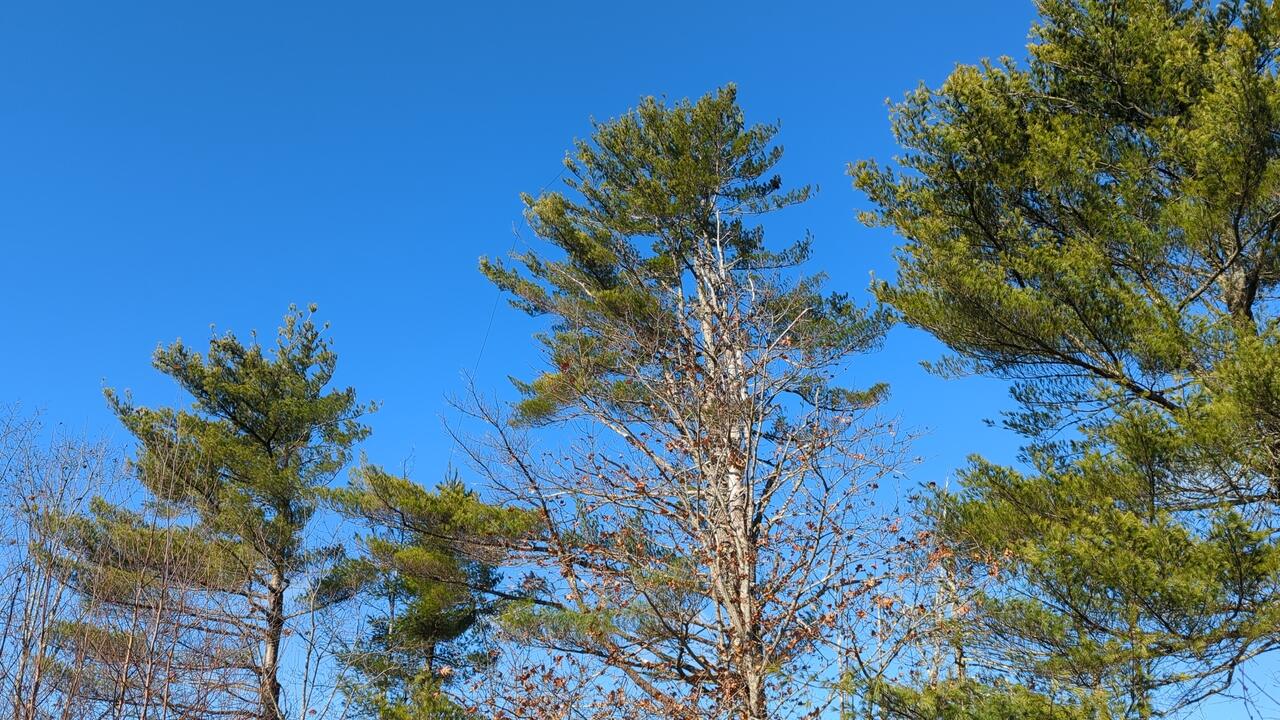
<point>262,437</point>
<point>650,186</point>
<point>698,526</point>
<point>114,551</point>
<point>232,484</point>
<point>961,700</point>
<point>1100,228</point>
<point>431,562</point>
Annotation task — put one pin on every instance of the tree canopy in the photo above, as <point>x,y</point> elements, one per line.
<point>703,527</point>
<point>1100,228</point>
<point>232,483</point>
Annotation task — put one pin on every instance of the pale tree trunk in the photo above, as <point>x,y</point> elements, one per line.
<point>269,690</point>
<point>727,405</point>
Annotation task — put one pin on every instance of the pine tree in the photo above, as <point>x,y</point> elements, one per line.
<point>1102,228</point>
<point>235,480</point>
<point>702,532</point>
<point>431,567</point>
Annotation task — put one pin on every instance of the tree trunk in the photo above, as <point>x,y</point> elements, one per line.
<point>269,687</point>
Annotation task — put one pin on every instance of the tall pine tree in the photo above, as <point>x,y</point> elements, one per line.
<point>236,477</point>
<point>1102,228</point>
<point>706,532</point>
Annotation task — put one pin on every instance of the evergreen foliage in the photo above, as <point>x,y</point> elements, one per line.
<point>700,529</point>
<point>431,564</point>
<point>1100,227</point>
<point>233,484</point>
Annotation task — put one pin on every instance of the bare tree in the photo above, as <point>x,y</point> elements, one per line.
<point>78,643</point>
<point>35,478</point>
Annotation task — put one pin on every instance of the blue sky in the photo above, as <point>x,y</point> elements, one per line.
<point>168,166</point>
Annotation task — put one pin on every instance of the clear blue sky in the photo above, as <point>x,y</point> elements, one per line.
<point>167,166</point>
